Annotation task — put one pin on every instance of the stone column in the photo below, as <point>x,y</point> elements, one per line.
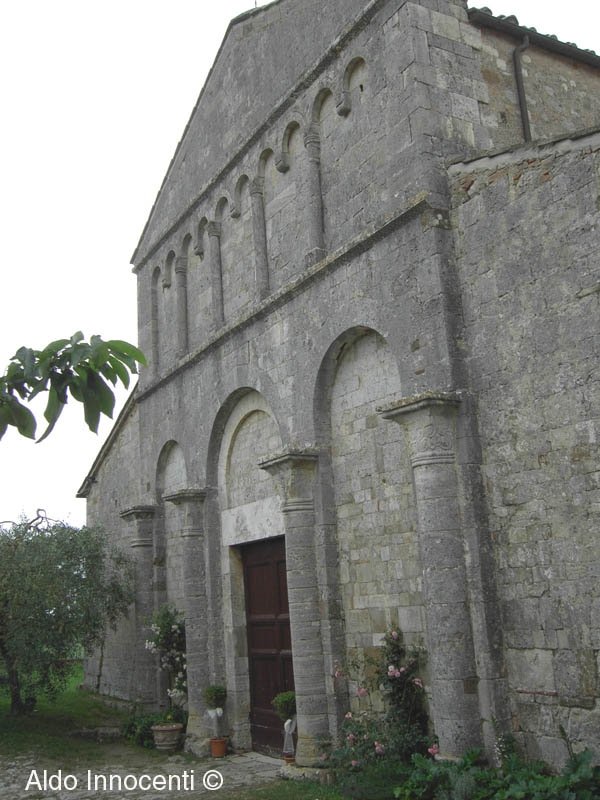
<point>144,667</point>
<point>196,607</point>
<point>295,474</point>
<point>216,275</point>
<point>257,196</point>
<point>181,267</point>
<point>312,142</point>
<point>430,424</point>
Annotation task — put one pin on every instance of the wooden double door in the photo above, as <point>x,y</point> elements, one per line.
<point>269,639</point>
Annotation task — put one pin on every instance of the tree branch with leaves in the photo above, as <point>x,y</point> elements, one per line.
<point>65,368</point>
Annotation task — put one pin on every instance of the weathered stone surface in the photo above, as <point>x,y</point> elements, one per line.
<point>313,266</point>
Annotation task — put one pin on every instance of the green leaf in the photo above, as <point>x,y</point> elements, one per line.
<point>79,353</point>
<point>120,370</point>
<point>53,348</point>
<point>54,409</point>
<point>91,411</point>
<point>109,373</point>
<point>5,418</point>
<point>125,351</point>
<point>22,418</point>
<point>103,393</point>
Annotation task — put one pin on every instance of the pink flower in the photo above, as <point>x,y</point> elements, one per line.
<point>379,748</point>
<point>418,682</point>
<point>433,750</point>
<point>362,692</point>
<point>354,763</point>
<point>351,738</point>
<point>338,672</point>
<point>348,715</point>
<point>394,634</point>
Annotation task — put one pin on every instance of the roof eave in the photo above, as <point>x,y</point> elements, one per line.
<point>486,20</point>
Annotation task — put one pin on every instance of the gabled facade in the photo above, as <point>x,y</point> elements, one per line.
<point>368,290</point>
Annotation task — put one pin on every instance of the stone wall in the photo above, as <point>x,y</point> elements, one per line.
<point>297,276</point>
<point>529,286</point>
<point>380,571</point>
<point>563,95</point>
<point>111,494</point>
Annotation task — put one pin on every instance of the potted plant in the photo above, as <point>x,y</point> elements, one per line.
<point>214,697</point>
<point>167,732</point>
<point>284,704</point>
<point>167,641</point>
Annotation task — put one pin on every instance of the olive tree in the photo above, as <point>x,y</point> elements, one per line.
<point>60,587</point>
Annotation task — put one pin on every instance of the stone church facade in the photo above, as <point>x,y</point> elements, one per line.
<point>369,296</point>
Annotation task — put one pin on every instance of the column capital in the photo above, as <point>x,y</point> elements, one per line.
<point>138,513</point>
<point>214,228</point>
<point>192,503</point>
<point>429,418</point>
<point>295,472</point>
<point>418,402</point>
<point>181,264</point>
<point>312,141</point>
<point>257,185</point>
<point>183,496</point>
<point>282,162</point>
<point>344,104</point>
<point>143,519</point>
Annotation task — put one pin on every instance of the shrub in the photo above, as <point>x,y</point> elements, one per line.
<point>215,696</point>
<point>168,642</point>
<point>368,737</point>
<point>138,729</point>
<point>516,780</point>
<point>284,704</point>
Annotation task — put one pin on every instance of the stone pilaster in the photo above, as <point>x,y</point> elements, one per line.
<point>181,267</point>
<point>312,142</point>
<point>144,667</point>
<point>430,424</point>
<point>196,607</point>
<point>216,274</point>
<point>295,474</point>
<point>259,232</point>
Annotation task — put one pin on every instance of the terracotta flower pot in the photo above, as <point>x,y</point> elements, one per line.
<point>167,735</point>
<point>218,747</point>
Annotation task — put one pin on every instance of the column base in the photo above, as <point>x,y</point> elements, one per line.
<point>308,752</point>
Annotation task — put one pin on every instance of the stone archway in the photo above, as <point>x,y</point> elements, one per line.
<point>250,514</point>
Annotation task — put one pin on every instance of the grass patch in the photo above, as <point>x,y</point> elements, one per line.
<point>47,731</point>
<point>46,734</point>
<point>283,790</point>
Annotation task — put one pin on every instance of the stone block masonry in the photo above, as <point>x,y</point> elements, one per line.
<point>370,310</point>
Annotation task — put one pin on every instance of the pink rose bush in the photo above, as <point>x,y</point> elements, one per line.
<point>370,735</point>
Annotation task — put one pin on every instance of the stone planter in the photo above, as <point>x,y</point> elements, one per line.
<point>167,735</point>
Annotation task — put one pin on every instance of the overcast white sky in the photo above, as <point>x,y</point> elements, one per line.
<point>95,96</point>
